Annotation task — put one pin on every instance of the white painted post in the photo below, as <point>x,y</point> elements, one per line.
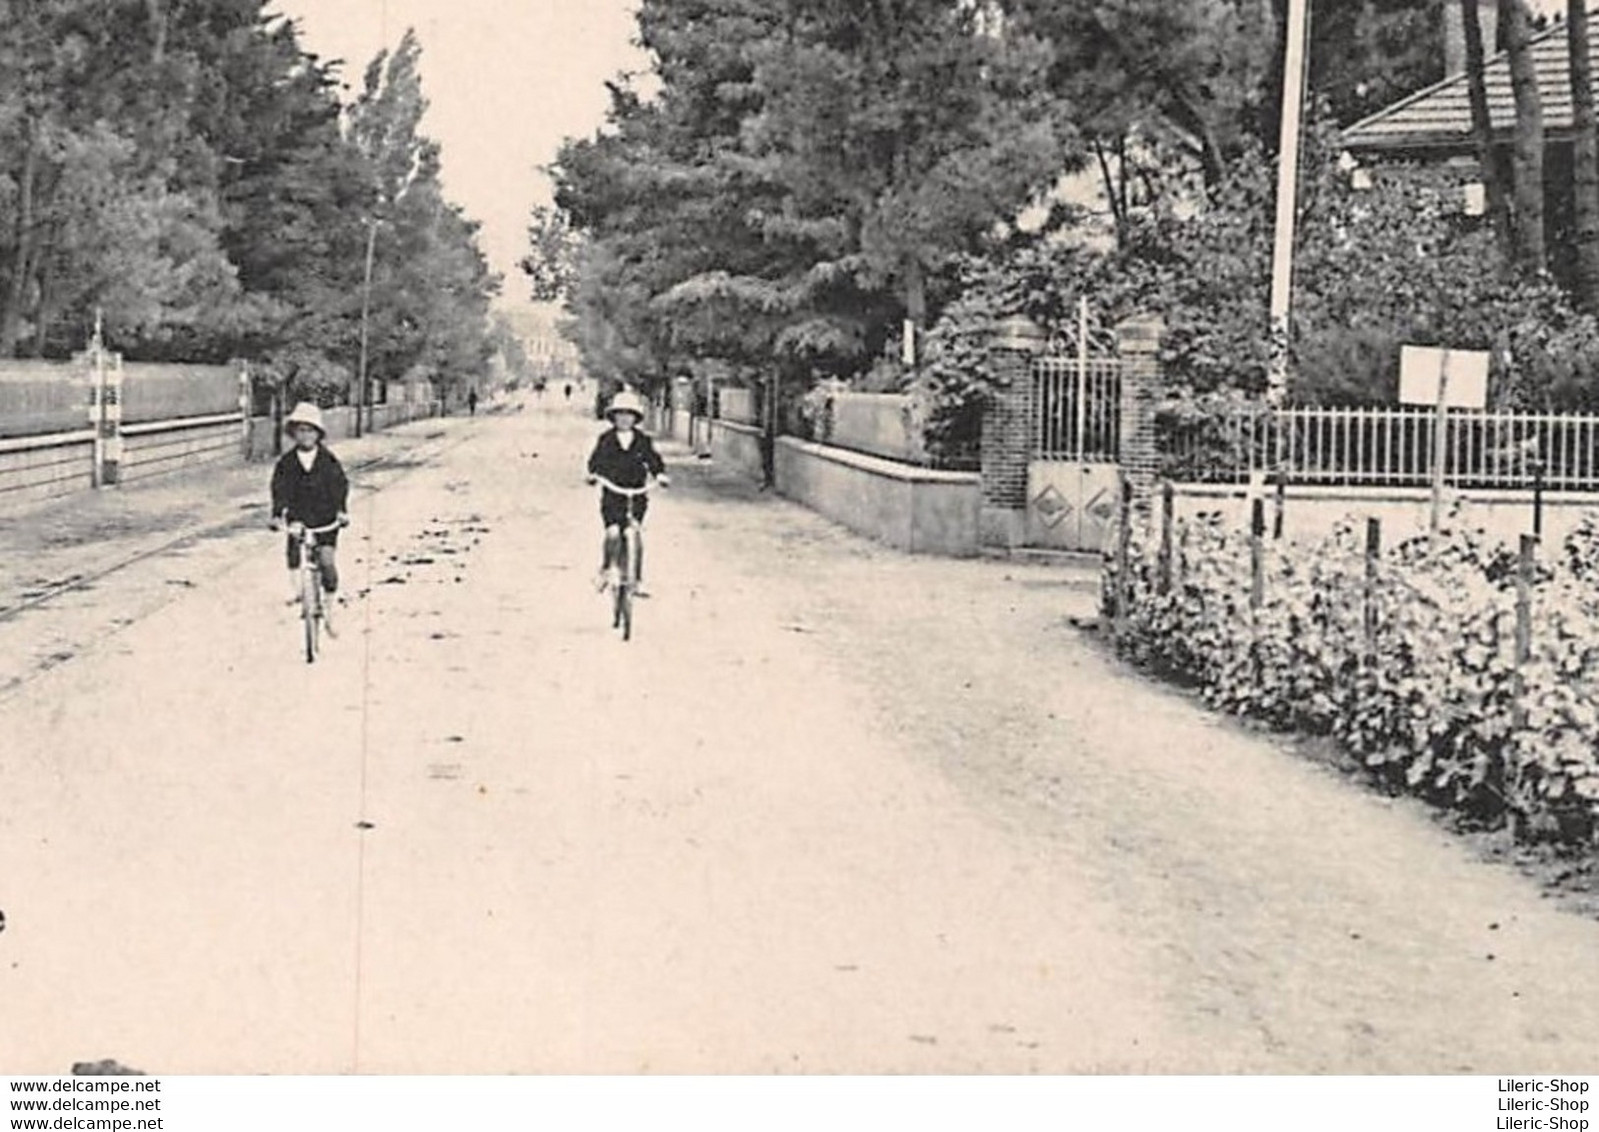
<point>246,403</point>
<point>96,413</point>
<point>111,394</point>
<point>98,418</point>
<point>1440,439</point>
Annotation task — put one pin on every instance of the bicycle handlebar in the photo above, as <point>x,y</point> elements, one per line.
<point>627,491</point>
<point>307,532</point>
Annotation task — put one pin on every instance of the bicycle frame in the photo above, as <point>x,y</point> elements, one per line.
<point>312,612</point>
<point>628,551</point>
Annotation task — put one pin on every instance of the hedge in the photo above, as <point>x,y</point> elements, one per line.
<point>1409,659</point>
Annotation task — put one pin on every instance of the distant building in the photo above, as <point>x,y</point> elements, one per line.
<point>551,356</point>
<point>1433,126</point>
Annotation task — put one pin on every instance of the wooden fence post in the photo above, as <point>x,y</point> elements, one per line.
<point>1369,592</point>
<point>278,391</point>
<point>1168,504</point>
<point>1257,555</point>
<point>1525,568</point>
<point>1524,576</point>
<point>1182,554</point>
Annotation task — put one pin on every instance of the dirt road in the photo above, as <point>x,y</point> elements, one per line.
<point>833,809</point>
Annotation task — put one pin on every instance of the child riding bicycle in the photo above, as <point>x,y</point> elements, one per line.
<point>625,456</point>
<point>310,490</point>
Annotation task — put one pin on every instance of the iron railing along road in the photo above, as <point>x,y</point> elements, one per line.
<point>1389,447</point>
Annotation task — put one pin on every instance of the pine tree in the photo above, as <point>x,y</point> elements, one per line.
<point>1529,139</point>
<point>1585,154</point>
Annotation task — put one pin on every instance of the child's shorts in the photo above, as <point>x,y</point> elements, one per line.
<point>329,539</point>
<point>614,507</point>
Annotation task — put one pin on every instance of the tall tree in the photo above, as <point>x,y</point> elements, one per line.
<point>1193,75</point>
<point>1367,54</point>
<point>95,207</point>
<point>1490,166</point>
<point>431,285</point>
<point>1585,154</point>
<point>553,261</point>
<point>1529,139</point>
<point>912,123</point>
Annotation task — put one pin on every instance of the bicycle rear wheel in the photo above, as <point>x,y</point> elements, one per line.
<point>310,600</point>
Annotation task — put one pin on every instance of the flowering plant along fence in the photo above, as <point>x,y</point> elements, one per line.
<point>1457,669</point>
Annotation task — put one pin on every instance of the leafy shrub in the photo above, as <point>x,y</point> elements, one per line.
<point>1433,704</point>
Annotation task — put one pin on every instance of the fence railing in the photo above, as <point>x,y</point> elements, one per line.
<point>1078,409</point>
<point>1384,448</point>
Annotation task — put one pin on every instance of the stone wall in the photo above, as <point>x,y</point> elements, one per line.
<point>35,469</point>
<point>180,446</point>
<point>738,446</point>
<point>59,464</point>
<point>910,508</point>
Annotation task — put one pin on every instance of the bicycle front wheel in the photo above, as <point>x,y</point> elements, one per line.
<point>310,600</point>
<point>618,602</point>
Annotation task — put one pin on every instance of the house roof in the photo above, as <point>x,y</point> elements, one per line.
<point>1439,117</point>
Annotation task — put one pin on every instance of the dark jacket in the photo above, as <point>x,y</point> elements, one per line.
<point>315,497</point>
<point>631,467</point>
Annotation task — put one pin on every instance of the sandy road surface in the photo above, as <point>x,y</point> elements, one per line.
<point>832,809</point>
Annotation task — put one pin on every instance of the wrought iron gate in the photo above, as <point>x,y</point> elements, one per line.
<point>1073,475</point>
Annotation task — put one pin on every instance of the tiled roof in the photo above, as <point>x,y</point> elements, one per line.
<point>1440,116</point>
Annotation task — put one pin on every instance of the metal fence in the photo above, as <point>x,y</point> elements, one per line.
<point>158,392</point>
<point>1384,448</point>
<point>38,398</point>
<point>42,397</point>
<point>1078,409</point>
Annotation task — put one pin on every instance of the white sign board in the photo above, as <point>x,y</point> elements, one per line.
<point>1422,369</point>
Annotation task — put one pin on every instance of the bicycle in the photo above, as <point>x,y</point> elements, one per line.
<point>631,552</point>
<point>313,603</point>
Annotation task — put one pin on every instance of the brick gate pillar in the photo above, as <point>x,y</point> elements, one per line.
<point>1007,436</point>
<point>1138,343</point>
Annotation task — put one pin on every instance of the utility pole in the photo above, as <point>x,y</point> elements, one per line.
<point>1282,261</point>
<point>362,393</point>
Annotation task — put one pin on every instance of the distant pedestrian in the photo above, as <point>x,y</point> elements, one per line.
<point>471,402</point>
<point>568,390</point>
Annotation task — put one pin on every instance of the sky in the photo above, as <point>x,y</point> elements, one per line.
<point>506,80</point>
